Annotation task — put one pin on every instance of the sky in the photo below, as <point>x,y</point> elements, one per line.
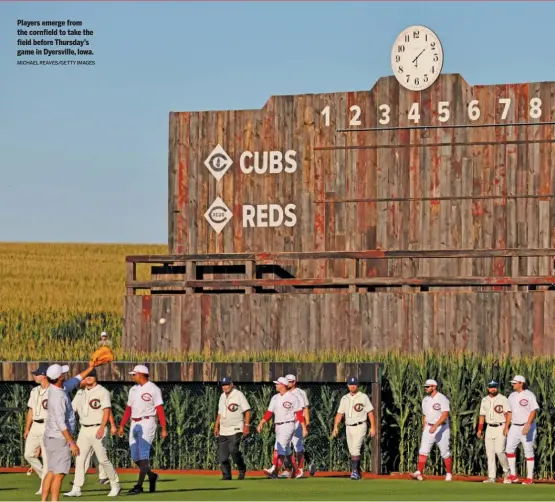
<point>84,150</point>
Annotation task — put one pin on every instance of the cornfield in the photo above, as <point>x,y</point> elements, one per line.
<point>191,410</point>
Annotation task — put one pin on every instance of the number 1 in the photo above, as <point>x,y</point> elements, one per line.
<point>326,114</point>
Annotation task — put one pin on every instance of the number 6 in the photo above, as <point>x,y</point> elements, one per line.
<point>473,110</point>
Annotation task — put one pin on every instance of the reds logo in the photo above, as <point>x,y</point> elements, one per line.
<point>498,409</point>
<point>358,407</point>
<point>287,404</point>
<point>45,404</point>
<point>94,404</point>
<point>523,402</point>
<point>437,406</point>
<point>233,407</point>
<point>146,397</point>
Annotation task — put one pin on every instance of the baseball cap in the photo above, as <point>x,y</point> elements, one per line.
<point>55,371</point>
<point>290,378</point>
<point>226,381</point>
<point>352,381</point>
<point>281,380</point>
<point>518,379</point>
<point>429,382</point>
<point>93,373</point>
<point>140,368</point>
<point>41,370</point>
<point>493,383</point>
<point>103,334</point>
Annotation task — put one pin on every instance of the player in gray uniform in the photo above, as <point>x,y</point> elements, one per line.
<point>493,411</point>
<point>60,427</point>
<point>357,410</point>
<point>34,427</point>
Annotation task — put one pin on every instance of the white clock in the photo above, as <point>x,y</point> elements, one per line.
<point>417,58</point>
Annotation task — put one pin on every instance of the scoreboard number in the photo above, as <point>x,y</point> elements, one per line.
<point>443,112</point>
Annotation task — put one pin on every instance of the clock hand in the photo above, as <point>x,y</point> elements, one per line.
<point>415,60</point>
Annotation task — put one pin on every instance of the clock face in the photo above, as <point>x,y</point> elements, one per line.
<point>417,58</point>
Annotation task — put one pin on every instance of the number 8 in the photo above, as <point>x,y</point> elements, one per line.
<point>535,108</point>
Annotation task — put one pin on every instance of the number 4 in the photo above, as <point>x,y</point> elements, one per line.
<point>414,113</point>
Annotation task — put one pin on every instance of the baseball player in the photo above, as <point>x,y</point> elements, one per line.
<point>435,429</point>
<point>286,410</point>
<point>493,411</point>
<point>143,406</point>
<point>357,410</point>
<point>298,440</point>
<point>523,407</point>
<point>60,427</point>
<point>34,426</point>
<point>93,405</point>
<point>232,422</point>
<point>102,476</point>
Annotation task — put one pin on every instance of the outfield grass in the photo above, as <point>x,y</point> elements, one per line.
<point>187,487</point>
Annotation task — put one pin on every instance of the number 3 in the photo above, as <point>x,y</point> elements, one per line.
<point>385,109</point>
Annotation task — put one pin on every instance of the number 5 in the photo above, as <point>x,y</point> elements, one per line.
<point>443,111</point>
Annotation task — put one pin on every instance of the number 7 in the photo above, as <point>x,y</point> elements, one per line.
<point>507,103</point>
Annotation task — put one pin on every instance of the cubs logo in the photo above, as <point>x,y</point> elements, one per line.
<point>358,407</point>
<point>498,409</point>
<point>287,404</point>
<point>523,402</point>
<point>233,407</point>
<point>45,404</point>
<point>94,404</point>
<point>437,406</point>
<point>146,397</point>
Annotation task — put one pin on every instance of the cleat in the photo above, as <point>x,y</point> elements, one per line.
<point>152,483</point>
<point>135,490</point>
<point>528,481</point>
<point>511,479</point>
<point>312,469</point>
<point>39,492</point>
<point>241,475</point>
<point>489,480</point>
<point>73,493</point>
<point>300,474</point>
<point>115,491</point>
<point>448,477</point>
<point>269,472</point>
<point>355,475</point>
<point>284,474</point>
<point>103,481</point>
<point>417,475</point>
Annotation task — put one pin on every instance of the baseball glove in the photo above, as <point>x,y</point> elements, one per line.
<point>102,355</point>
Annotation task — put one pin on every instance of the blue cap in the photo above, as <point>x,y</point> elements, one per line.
<point>493,383</point>
<point>226,381</point>
<point>41,370</point>
<point>352,381</point>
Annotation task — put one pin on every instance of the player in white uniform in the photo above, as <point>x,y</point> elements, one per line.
<point>287,410</point>
<point>523,407</point>
<point>232,424</point>
<point>493,411</point>
<point>435,429</point>
<point>34,427</point>
<point>93,405</point>
<point>143,406</point>
<point>357,410</point>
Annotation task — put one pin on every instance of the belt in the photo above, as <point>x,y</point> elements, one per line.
<point>519,424</point>
<point>495,425</point>
<point>288,422</point>
<point>90,425</point>
<point>142,418</point>
<point>41,421</point>
<point>352,425</point>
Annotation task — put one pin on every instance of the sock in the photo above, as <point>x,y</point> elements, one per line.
<point>530,467</point>
<point>511,457</point>
<point>448,464</point>
<point>275,458</point>
<point>422,463</point>
<point>354,464</point>
<point>143,469</point>
<point>300,460</point>
<point>279,462</point>
<point>294,463</point>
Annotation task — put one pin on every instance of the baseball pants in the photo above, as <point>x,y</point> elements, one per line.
<point>298,440</point>
<point>495,446</point>
<point>441,437</point>
<point>141,436</point>
<point>35,440</point>
<point>229,445</point>
<point>355,438</point>
<point>515,436</point>
<point>58,453</point>
<point>89,460</point>
<point>89,444</point>
<point>284,436</point>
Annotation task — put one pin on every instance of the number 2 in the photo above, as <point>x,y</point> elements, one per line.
<point>356,117</point>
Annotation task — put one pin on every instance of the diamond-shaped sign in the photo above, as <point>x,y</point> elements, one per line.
<point>218,215</point>
<point>218,162</point>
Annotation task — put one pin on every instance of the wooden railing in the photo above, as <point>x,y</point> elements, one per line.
<point>250,283</point>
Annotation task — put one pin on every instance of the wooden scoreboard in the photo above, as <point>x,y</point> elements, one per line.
<point>382,198</point>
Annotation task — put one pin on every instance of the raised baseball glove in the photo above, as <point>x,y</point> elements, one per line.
<point>102,355</point>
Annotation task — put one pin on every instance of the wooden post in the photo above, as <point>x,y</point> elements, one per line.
<point>250,273</point>
<point>190,274</point>
<point>130,276</point>
<point>377,404</point>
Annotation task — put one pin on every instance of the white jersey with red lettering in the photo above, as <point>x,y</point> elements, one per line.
<point>433,407</point>
<point>521,404</point>
<point>284,408</point>
<point>143,400</point>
